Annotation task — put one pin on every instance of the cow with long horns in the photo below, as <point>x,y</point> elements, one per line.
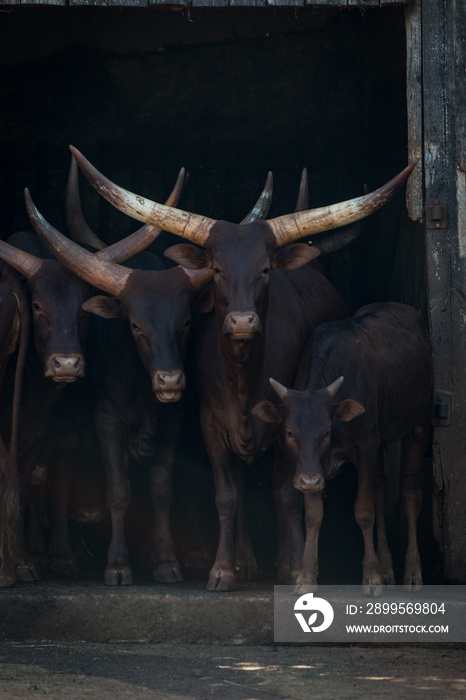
<point>142,373</point>
<point>269,295</point>
<point>55,356</point>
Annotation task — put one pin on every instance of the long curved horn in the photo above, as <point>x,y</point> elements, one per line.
<point>340,239</point>
<point>132,245</point>
<point>76,224</point>
<point>292,227</point>
<point>262,206</point>
<point>302,203</point>
<point>24,263</point>
<point>108,276</point>
<point>193,227</point>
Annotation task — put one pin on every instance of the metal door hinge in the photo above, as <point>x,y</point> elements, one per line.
<point>442,410</point>
<point>436,213</point>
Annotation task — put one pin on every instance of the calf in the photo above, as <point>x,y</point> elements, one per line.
<point>363,382</point>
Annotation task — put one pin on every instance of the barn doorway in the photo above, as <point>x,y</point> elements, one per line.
<point>229,93</point>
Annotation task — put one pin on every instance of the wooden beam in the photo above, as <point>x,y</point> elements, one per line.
<point>414,191</point>
<point>446,278</point>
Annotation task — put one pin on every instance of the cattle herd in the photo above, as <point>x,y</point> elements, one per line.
<point>98,345</point>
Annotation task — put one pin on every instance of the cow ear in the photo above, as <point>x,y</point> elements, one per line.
<point>187,256</point>
<point>267,411</point>
<point>291,257</point>
<point>204,302</point>
<point>107,307</point>
<point>347,410</point>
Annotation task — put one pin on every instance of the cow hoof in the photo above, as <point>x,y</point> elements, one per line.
<point>221,581</point>
<point>305,584</point>
<point>372,589</point>
<point>7,580</point>
<point>27,572</point>
<point>118,577</point>
<point>413,583</point>
<point>167,573</point>
<point>302,588</point>
<point>388,579</point>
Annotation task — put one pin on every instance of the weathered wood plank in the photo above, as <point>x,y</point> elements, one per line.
<point>186,3</point>
<point>212,3</point>
<point>330,3</point>
<point>459,54</point>
<point>41,2</point>
<point>251,3</point>
<point>87,2</point>
<point>128,3</point>
<point>414,192</point>
<point>446,281</point>
<point>209,3</point>
<point>285,3</point>
<point>363,3</point>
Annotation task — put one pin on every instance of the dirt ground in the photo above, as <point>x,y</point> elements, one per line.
<point>175,672</point>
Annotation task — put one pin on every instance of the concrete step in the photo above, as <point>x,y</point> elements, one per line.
<point>147,612</point>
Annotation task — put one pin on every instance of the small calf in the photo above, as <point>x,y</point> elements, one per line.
<point>363,382</point>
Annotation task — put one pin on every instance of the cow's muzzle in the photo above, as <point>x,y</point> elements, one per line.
<point>309,483</point>
<point>242,325</point>
<point>65,368</point>
<point>169,386</point>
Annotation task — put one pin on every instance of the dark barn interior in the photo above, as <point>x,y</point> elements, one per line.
<point>230,94</point>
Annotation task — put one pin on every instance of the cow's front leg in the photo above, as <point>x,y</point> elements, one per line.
<point>314,512</point>
<point>383,552</point>
<point>364,512</point>
<point>166,567</point>
<point>413,449</point>
<point>245,560</point>
<point>62,473</point>
<point>110,434</point>
<point>289,507</point>
<point>222,575</point>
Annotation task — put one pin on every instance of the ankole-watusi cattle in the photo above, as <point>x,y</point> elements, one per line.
<point>363,382</point>
<point>269,295</point>
<point>142,360</point>
<point>55,357</point>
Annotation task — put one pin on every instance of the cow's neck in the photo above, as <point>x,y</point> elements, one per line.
<point>243,363</point>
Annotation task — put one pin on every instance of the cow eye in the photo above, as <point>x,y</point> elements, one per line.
<point>289,434</point>
<point>264,274</point>
<point>188,323</point>
<point>135,328</point>
<point>35,306</point>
